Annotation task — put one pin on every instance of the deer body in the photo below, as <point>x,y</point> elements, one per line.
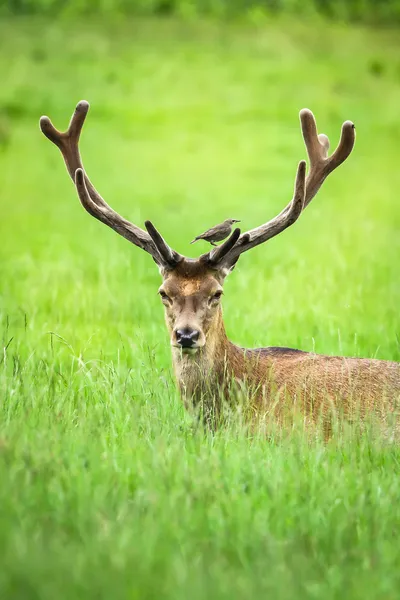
<point>210,370</point>
<point>279,382</point>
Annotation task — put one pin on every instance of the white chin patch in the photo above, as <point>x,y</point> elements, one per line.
<point>189,350</point>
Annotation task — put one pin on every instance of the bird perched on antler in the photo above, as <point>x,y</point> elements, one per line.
<point>217,233</point>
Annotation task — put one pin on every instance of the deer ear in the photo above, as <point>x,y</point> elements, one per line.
<point>230,269</point>
<point>163,270</point>
<point>232,265</point>
<point>224,271</point>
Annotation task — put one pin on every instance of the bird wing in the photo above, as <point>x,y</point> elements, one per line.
<point>210,231</point>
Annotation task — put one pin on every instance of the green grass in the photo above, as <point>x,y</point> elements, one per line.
<point>107,490</point>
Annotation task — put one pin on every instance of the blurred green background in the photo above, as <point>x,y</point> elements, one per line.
<point>106,489</point>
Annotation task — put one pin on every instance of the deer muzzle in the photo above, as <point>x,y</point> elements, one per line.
<point>188,339</point>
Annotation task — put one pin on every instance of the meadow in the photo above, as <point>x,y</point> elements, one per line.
<point>107,487</point>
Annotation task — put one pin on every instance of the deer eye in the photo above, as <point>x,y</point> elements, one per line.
<point>164,297</point>
<point>216,297</point>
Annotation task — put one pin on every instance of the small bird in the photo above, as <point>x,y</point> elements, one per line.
<point>217,233</point>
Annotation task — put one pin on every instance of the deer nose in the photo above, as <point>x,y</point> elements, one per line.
<point>187,337</point>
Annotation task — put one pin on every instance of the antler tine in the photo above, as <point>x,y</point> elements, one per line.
<point>169,256</point>
<point>217,254</point>
<point>317,149</point>
<point>305,188</point>
<point>91,200</point>
<point>68,141</point>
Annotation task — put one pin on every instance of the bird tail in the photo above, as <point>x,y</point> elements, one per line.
<point>195,240</point>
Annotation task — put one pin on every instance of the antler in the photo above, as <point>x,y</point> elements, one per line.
<point>215,256</point>
<point>68,141</point>
<point>305,188</point>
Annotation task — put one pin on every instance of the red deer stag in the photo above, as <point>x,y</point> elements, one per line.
<point>277,381</point>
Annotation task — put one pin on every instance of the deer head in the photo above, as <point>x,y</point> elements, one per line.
<point>192,288</point>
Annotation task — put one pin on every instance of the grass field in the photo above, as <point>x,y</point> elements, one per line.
<point>107,490</point>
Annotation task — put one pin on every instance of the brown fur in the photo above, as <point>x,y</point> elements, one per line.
<point>278,382</point>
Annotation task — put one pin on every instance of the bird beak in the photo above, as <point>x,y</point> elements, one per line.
<point>236,220</point>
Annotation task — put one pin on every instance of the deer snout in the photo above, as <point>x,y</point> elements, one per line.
<point>187,337</point>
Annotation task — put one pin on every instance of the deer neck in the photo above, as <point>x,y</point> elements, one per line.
<point>204,371</point>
